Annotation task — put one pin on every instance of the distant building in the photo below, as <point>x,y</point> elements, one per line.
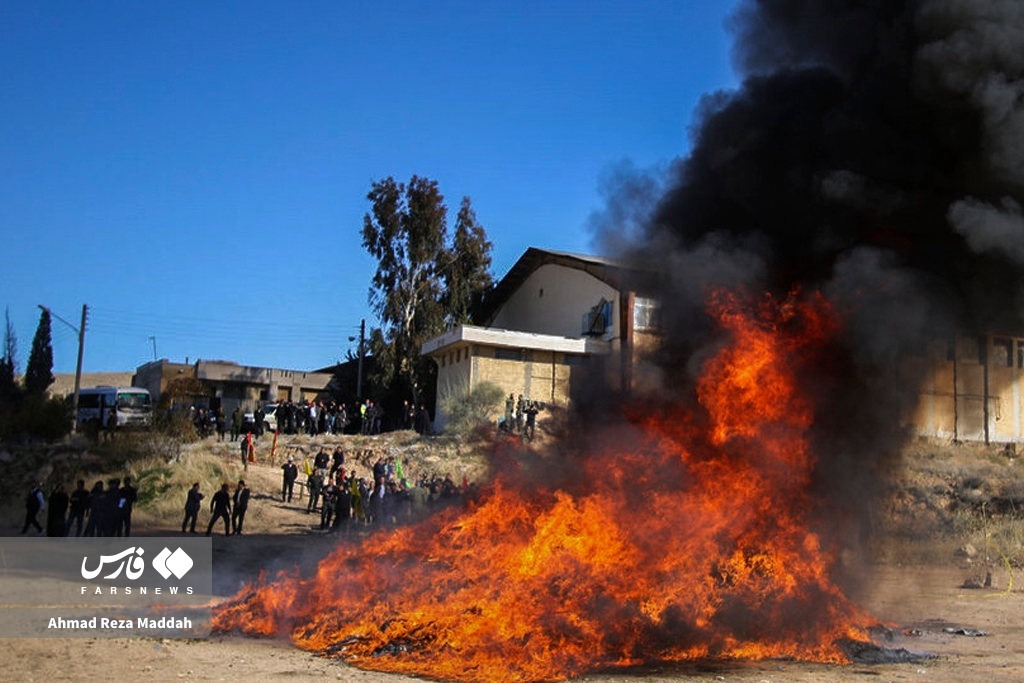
<point>554,320</point>
<point>64,382</point>
<point>227,384</point>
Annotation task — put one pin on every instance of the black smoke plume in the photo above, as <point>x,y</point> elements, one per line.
<point>875,153</point>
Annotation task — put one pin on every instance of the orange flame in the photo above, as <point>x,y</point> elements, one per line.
<point>694,541</point>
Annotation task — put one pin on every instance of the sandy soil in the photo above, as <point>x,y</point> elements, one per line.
<point>918,603</point>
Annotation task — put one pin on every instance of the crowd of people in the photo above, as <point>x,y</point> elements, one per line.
<point>337,495</point>
<point>99,511</point>
<point>333,492</point>
<point>308,417</point>
<point>341,497</point>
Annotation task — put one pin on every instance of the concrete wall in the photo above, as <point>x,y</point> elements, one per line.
<point>543,376</point>
<point>553,300</point>
<point>156,375</point>
<point>454,379</point>
<point>974,395</point>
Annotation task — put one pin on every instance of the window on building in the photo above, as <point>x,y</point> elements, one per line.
<point>598,319</point>
<point>574,359</point>
<point>646,314</point>
<point>1002,352</point>
<point>507,354</point>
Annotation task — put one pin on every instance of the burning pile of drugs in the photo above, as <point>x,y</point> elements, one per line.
<point>690,535</point>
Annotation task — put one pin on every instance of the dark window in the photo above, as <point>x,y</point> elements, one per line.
<point>1002,352</point>
<point>89,401</point>
<point>507,354</point>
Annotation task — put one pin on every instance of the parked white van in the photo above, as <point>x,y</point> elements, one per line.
<point>115,407</point>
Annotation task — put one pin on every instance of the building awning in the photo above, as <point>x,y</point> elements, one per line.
<point>512,339</point>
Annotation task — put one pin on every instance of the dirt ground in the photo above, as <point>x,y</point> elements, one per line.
<point>919,603</point>
<point>924,605</point>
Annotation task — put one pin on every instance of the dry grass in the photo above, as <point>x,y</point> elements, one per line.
<point>947,496</point>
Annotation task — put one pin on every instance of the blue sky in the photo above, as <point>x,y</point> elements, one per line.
<point>196,172</point>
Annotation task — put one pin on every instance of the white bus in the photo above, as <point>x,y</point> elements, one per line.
<point>115,407</point>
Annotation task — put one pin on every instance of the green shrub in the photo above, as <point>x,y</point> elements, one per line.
<point>466,412</point>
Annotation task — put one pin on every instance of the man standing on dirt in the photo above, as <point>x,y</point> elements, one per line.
<point>79,504</point>
<point>125,502</point>
<point>56,510</point>
<point>111,513</point>
<point>192,503</point>
<point>330,494</point>
<point>247,450</point>
<point>291,473</point>
<point>236,423</point>
<point>314,483</point>
<point>337,460</point>
<point>220,506</point>
<point>35,500</point>
<point>241,501</point>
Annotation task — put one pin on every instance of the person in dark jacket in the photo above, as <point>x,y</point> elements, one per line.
<point>35,501</point>
<point>58,507</point>
<point>192,503</point>
<point>79,502</point>
<point>289,474</point>
<point>220,506</point>
<point>241,501</point>
<point>111,513</point>
<point>126,498</point>
<point>96,500</point>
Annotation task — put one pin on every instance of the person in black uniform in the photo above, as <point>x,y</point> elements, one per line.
<point>291,473</point>
<point>79,505</point>
<point>126,501</point>
<point>220,506</point>
<point>241,501</point>
<point>58,507</point>
<point>192,505</point>
<point>35,500</point>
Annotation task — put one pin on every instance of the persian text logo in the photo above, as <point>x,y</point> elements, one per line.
<point>131,563</point>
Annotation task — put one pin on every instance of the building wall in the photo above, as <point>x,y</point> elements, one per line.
<point>64,382</point>
<point>156,375</point>
<point>976,395</point>
<point>539,376</point>
<point>553,299</point>
<point>1005,374</point>
<point>542,376</point>
<point>454,379</point>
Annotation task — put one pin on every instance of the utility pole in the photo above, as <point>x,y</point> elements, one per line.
<point>80,331</point>
<point>359,375</point>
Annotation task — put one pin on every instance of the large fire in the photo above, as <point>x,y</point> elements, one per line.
<point>693,541</point>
